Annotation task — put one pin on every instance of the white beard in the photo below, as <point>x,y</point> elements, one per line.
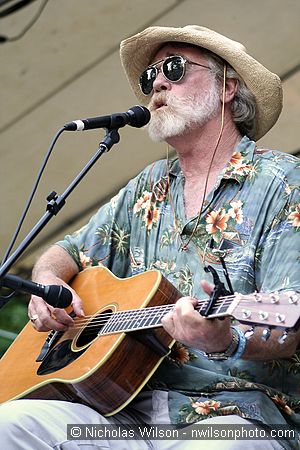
<point>181,114</point>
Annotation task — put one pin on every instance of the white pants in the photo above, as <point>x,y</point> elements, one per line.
<point>42,425</point>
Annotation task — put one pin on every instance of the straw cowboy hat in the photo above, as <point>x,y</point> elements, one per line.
<point>137,53</point>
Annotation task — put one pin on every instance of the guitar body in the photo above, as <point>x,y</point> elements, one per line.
<point>105,372</point>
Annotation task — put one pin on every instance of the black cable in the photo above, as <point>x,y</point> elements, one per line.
<point>29,200</point>
<point>5,298</point>
<point>15,6</point>
<point>4,39</point>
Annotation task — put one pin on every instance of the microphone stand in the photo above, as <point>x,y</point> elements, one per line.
<point>54,205</point>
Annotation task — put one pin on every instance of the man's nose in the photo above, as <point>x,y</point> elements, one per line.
<point>160,83</point>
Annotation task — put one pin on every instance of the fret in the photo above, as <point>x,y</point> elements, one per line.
<point>152,316</point>
<point>122,321</point>
<point>143,320</point>
<point>155,318</point>
<point>202,305</point>
<point>126,320</point>
<point>135,320</point>
<point>148,318</point>
<point>222,309</point>
<point>106,329</point>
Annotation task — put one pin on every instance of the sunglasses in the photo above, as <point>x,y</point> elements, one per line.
<point>173,69</point>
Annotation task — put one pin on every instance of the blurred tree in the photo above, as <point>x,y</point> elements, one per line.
<point>13,317</point>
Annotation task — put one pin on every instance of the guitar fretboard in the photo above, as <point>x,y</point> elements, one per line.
<point>140,319</point>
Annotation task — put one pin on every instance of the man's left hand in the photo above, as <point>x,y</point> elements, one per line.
<point>186,325</point>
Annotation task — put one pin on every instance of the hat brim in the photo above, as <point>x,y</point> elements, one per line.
<point>137,53</point>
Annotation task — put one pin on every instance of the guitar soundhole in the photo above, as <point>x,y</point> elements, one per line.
<point>93,328</point>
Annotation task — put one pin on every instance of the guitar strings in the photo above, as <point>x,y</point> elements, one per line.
<point>200,302</point>
<point>153,309</point>
<point>147,314</point>
<point>150,309</point>
<point>90,328</point>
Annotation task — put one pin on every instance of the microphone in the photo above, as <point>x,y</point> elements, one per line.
<point>56,295</point>
<point>137,116</point>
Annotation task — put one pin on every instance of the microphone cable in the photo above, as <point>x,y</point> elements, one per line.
<point>28,202</point>
<point>31,195</point>
<point>4,39</point>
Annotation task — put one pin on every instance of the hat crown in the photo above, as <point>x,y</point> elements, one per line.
<point>208,32</point>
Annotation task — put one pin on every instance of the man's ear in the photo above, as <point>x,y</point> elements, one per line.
<point>230,89</point>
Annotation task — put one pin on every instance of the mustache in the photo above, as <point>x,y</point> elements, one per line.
<point>169,99</point>
<point>157,100</point>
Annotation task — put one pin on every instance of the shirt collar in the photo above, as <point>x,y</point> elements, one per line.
<point>238,167</point>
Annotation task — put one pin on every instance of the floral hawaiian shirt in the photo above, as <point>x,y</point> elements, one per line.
<point>252,219</point>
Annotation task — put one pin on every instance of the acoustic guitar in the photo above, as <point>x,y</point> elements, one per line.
<point>107,357</point>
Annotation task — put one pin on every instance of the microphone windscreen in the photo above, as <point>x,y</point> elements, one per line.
<point>139,116</point>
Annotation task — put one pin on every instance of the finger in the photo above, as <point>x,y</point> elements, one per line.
<point>33,317</point>
<point>48,322</point>
<point>185,308</point>
<point>168,318</point>
<point>168,322</point>
<point>61,316</point>
<point>41,325</point>
<point>77,305</point>
<point>207,287</point>
<point>188,303</point>
<point>32,309</point>
<point>45,321</point>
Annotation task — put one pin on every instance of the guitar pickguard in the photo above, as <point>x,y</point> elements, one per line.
<point>59,357</point>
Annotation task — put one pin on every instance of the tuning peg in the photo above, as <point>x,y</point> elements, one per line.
<point>293,297</point>
<point>275,297</point>
<point>249,333</point>
<point>283,337</point>
<point>266,334</point>
<point>257,296</point>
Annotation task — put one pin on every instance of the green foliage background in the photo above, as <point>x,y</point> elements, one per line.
<point>13,317</point>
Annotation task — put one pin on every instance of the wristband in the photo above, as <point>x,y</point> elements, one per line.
<point>230,350</point>
<point>241,346</point>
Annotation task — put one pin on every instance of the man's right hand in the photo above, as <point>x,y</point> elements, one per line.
<point>45,317</point>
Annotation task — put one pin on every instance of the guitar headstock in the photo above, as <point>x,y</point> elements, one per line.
<point>278,309</point>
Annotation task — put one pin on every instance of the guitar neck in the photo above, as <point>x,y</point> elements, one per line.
<point>276,310</point>
<point>142,319</point>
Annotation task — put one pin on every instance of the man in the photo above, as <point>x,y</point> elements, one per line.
<point>221,201</point>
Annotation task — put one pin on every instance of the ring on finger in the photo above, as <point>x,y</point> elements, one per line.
<point>33,318</point>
